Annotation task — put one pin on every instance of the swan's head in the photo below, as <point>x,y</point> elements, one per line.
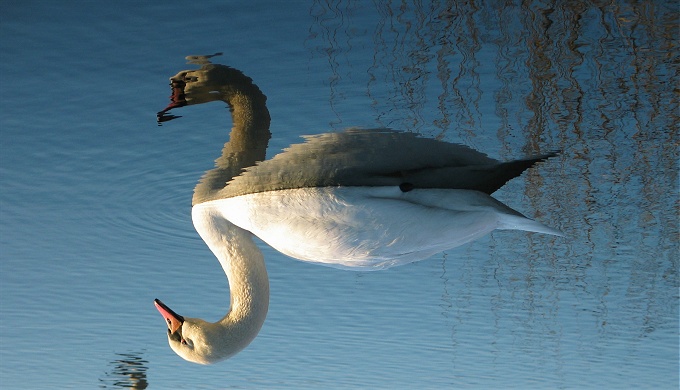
<point>199,341</point>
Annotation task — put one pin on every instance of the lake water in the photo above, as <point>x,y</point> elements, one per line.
<point>95,197</point>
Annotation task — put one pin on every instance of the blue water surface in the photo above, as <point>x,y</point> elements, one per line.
<point>95,197</point>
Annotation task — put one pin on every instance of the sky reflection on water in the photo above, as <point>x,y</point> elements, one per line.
<point>94,198</point>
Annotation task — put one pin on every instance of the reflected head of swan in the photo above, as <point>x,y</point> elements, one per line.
<point>359,199</point>
<point>214,82</point>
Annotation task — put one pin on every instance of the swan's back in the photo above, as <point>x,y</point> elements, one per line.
<point>369,228</point>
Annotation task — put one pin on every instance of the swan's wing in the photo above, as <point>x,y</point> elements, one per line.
<point>376,157</point>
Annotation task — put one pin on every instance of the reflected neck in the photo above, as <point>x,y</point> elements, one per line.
<point>248,139</point>
<point>250,118</point>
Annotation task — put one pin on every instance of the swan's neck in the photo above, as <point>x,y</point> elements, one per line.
<point>244,266</point>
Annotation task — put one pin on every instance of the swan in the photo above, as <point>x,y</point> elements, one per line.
<point>358,199</point>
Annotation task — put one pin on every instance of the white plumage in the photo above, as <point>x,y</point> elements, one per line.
<point>359,199</point>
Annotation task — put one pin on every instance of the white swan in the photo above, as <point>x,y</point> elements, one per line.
<point>360,199</point>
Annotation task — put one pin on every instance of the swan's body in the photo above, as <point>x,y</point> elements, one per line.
<point>359,199</point>
<point>366,228</point>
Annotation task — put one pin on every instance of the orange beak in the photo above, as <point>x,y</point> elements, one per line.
<point>173,319</point>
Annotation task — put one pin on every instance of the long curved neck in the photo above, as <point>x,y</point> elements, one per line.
<point>243,264</point>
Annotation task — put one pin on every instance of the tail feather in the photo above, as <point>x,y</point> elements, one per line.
<point>517,222</point>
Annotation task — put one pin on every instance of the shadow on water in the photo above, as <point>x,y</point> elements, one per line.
<point>127,371</point>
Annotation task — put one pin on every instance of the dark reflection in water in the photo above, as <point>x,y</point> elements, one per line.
<point>128,371</point>
<point>558,60</point>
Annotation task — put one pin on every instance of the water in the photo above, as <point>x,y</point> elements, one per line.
<point>95,198</point>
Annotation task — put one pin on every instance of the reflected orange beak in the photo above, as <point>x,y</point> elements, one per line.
<point>173,319</point>
<point>177,99</point>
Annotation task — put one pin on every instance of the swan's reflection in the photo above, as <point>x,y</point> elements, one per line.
<point>360,199</point>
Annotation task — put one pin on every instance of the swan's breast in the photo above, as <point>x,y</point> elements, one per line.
<point>360,227</point>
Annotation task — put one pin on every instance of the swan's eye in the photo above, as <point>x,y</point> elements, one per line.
<point>176,337</point>
<point>188,343</point>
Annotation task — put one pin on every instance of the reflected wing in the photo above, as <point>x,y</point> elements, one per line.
<point>376,157</point>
